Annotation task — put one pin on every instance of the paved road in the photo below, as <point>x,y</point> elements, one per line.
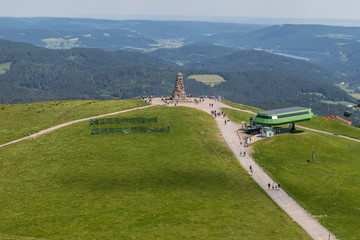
<point>67,124</point>
<point>229,133</point>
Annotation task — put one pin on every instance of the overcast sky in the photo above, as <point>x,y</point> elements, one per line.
<point>120,9</point>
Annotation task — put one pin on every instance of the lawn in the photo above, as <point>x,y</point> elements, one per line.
<point>4,67</point>
<point>17,120</point>
<point>185,184</point>
<point>208,79</point>
<point>237,116</point>
<point>241,106</point>
<point>333,126</point>
<point>328,189</point>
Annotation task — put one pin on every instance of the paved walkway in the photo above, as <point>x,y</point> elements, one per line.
<point>67,124</point>
<point>229,132</point>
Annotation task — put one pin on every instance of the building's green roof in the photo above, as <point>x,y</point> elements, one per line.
<point>283,110</point>
<point>283,116</point>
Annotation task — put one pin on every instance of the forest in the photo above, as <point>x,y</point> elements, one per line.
<point>258,79</point>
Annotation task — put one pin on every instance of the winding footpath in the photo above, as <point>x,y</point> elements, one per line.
<point>229,133</point>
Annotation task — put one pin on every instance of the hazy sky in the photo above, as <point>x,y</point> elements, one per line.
<point>315,9</point>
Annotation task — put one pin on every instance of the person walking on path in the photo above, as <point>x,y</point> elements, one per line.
<point>273,186</point>
<point>244,153</point>
<point>269,186</point>
<point>225,121</point>
<point>278,186</point>
<point>251,170</point>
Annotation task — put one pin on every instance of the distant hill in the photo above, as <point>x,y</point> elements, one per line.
<point>192,53</point>
<point>259,60</point>
<point>39,74</point>
<point>33,74</point>
<point>135,35</point>
<point>330,46</point>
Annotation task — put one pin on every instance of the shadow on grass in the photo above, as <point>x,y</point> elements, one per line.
<point>163,179</point>
<point>297,131</point>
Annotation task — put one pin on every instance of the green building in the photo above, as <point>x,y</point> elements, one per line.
<point>282,116</point>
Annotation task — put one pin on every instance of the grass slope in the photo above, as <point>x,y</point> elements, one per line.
<point>329,189</point>
<point>185,184</point>
<point>17,120</point>
<point>237,116</point>
<point>333,126</point>
<point>241,106</point>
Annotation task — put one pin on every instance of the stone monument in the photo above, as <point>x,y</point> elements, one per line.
<point>179,92</point>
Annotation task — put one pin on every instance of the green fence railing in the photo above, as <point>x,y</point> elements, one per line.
<point>101,131</point>
<point>103,121</point>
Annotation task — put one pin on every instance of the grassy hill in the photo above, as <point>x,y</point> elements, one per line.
<point>39,116</point>
<point>328,189</point>
<point>184,184</point>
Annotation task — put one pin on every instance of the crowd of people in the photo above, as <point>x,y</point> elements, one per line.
<point>274,186</point>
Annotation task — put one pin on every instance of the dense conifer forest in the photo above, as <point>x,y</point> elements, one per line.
<point>258,79</point>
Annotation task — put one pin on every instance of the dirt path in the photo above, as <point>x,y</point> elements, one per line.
<point>229,133</point>
<point>67,124</point>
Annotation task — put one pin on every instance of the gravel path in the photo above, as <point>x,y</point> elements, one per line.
<point>294,210</point>
<point>67,124</point>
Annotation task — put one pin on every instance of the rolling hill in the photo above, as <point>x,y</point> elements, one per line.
<point>70,184</point>
<point>31,74</point>
<point>259,60</point>
<point>192,53</point>
<point>331,46</point>
<point>135,35</point>
<point>39,74</point>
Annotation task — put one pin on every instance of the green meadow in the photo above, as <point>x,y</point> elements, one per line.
<point>241,106</point>
<point>237,116</point>
<point>333,126</point>
<point>4,67</point>
<point>329,188</point>
<point>185,184</point>
<point>17,120</point>
<point>208,79</point>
